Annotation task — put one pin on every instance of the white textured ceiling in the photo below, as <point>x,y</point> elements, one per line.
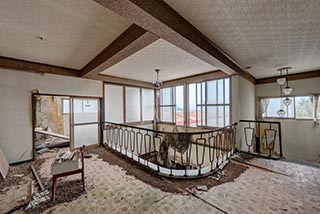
<point>172,61</point>
<point>262,34</point>
<point>73,31</point>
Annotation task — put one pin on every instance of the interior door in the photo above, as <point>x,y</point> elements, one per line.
<point>84,120</point>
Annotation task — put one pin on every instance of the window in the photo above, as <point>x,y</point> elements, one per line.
<point>192,105</point>
<point>65,106</point>
<point>304,108</point>
<point>179,105</point>
<point>133,111</point>
<point>147,104</point>
<point>301,107</point>
<point>209,103</point>
<point>113,98</point>
<point>167,105</point>
<point>275,104</point>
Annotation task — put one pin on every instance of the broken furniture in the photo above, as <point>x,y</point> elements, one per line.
<point>65,164</point>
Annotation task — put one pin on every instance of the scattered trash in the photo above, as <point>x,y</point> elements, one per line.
<point>218,175</point>
<point>38,198</point>
<point>202,188</point>
<point>43,150</point>
<point>5,189</point>
<point>18,175</point>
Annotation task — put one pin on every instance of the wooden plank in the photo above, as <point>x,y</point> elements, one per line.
<point>26,66</point>
<point>4,166</point>
<point>37,178</point>
<point>52,134</point>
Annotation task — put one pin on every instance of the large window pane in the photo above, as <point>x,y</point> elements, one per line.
<point>113,103</point>
<point>227,91</point>
<point>132,104</point>
<point>275,104</point>
<point>147,104</point>
<point>166,114</point>
<point>212,116</point>
<point>179,106</point>
<point>304,107</point>
<point>212,92</point>
<point>85,135</point>
<point>85,110</point>
<point>166,96</point>
<point>220,116</point>
<point>227,115</point>
<point>192,108</point>
<point>220,91</point>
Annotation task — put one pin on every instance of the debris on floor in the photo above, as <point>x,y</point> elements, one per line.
<point>202,188</point>
<point>218,175</point>
<point>38,198</point>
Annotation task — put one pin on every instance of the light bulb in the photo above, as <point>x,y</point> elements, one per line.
<point>281,80</point>
<point>287,101</point>
<point>287,90</point>
<point>281,113</point>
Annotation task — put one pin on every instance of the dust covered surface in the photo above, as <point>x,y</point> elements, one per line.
<point>232,171</point>
<point>18,174</point>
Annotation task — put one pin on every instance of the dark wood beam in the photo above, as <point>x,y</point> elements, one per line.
<point>195,78</point>
<point>130,41</point>
<point>22,65</point>
<point>122,81</point>
<point>297,76</point>
<point>159,18</point>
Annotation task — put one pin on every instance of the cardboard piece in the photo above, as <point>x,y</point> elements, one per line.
<point>4,166</point>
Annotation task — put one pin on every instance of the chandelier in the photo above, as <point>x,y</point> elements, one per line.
<point>286,91</point>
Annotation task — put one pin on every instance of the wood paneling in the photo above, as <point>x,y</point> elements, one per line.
<point>304,75</point>
<point>21,65</point>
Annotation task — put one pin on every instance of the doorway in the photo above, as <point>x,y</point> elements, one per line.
<point>62,121</point>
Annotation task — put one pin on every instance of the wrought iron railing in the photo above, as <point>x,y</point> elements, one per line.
<point>177,154</point>
<point>261,138</point>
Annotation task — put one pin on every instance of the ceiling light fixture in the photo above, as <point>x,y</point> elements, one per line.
<point>157,84</point>
<point>286,91</point>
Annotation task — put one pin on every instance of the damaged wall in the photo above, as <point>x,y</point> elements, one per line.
<point>15,105</point>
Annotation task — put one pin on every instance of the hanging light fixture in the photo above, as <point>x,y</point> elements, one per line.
<point>157,84</point>
<point>287,90</point>
<point>281,112</point>
<point>287,101</point>
<point>281,80</point>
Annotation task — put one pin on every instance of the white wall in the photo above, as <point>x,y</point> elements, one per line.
<point>243,99</point>
<point>301,141</point>
<point>15,106</point>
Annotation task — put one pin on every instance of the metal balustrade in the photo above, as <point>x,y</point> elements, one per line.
<point>261,138</point>
<point>175,154</point>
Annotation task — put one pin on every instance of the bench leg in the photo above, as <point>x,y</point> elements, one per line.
<point>53,191</point>
<point>83,183</point>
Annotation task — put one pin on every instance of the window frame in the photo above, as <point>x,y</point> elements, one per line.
<point>294,108</point>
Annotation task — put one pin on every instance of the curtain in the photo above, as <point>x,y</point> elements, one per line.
<point>315,116</point>
<point>263,106</point>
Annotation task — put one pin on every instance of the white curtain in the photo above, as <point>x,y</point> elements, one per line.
<point>315,100</point>
<point>263,106</point>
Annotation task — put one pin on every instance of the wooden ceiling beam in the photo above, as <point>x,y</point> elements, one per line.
<point>122,81</point>
<point>160,19</point>
<point>297,76</point>
<point>129,42</point>
<point>22,65</point>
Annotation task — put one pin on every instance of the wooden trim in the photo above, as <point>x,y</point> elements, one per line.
<point>122,81</point>
<point>159,18</point>
<point>196,78</point>
<point>33,118</point>
<point>130,41</point>
<point>26,66</point>
<point>297,76</point>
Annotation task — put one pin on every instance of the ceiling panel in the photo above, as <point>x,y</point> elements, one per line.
<point>172,61</point>
<point>262,34</point>
<point>73,32</point>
